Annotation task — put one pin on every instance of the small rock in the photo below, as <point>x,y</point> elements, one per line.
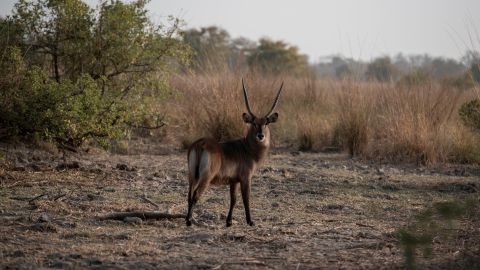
<point>134,220</point>
<point>381,171</point>
<point>44,218</point>
<point>275,204</point>
<point>122,167</point>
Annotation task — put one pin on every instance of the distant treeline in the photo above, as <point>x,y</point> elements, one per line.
<point>214,49</point>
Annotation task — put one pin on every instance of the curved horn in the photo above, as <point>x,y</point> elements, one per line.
<point>246,99</point>
<point>275,102</point>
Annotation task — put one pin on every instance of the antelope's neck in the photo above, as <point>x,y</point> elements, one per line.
<point>257,150</point>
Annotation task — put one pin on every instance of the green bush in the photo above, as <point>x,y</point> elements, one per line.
<point>381,69</point>
<point>65,112</point>
<point>417,77</point>
<point>470,113</point>
<point>70,73</point>
<point>440,222</point>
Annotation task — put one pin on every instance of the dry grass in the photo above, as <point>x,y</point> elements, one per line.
<point>312,210</point>
<point>370,120</point>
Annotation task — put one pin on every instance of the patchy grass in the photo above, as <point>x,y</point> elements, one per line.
<point>311,210</point>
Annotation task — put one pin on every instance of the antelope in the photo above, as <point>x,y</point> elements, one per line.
<point>232,162</point>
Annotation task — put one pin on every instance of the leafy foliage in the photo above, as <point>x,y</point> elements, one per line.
<point>81,73</point>
<point>438,222</point>
<point>470,113</point>
<point>381,69</point>
<point>475,71</point>
<point>417,77</point>
<point>277,57</point>
<point>211,47</point>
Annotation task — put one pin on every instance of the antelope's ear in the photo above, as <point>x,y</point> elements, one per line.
<point>272,118</point>
<point>247,118</point>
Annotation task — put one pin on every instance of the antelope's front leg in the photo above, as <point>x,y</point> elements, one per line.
<point>233,201</point>
<point>245,186</point>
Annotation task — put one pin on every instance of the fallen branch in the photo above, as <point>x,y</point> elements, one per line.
<point>59,196</point>
<point>142,215</point>
<point>364,225</point>
<point>36,198</point>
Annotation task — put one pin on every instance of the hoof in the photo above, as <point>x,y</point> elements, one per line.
<point>189,223</point>
<point>229,223</point>
<point>251,223</point>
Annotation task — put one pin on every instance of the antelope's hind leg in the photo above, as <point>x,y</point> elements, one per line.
<point>190,206</point>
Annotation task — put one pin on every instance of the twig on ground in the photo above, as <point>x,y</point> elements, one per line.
<point>36,198</point>
<point>59,196</point>
<point>364,225</point>
<point>147,200</point>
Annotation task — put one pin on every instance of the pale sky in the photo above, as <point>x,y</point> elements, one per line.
<point>361,29</point>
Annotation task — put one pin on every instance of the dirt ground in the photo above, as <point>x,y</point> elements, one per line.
<point>312,210</point>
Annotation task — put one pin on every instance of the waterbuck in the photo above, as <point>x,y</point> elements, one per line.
<point>231,162</point>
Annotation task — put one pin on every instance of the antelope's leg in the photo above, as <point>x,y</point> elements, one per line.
<point>202,186</point>
<point>190,205</point>
<point>233,201</point>
<point>245,186</point>
<point>195,196</point>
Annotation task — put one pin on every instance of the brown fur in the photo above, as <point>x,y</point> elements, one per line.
<point>229,163</point>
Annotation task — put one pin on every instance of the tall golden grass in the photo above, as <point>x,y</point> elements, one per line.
<point>385,121</point>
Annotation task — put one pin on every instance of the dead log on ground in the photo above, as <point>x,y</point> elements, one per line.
<point>142,215</point>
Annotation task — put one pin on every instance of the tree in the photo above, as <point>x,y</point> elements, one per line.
<point>342,69</point>
<point>278,57</point>
<point>211,47</point>
<point>381,69</point>
<point>90,72</point>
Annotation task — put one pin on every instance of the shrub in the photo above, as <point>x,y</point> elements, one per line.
<point>71,73</point>
<point>65,112</point>
<point>381,69</point>
<point>470,113</point>
<point>417,77</point>
<point>440,223</point>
